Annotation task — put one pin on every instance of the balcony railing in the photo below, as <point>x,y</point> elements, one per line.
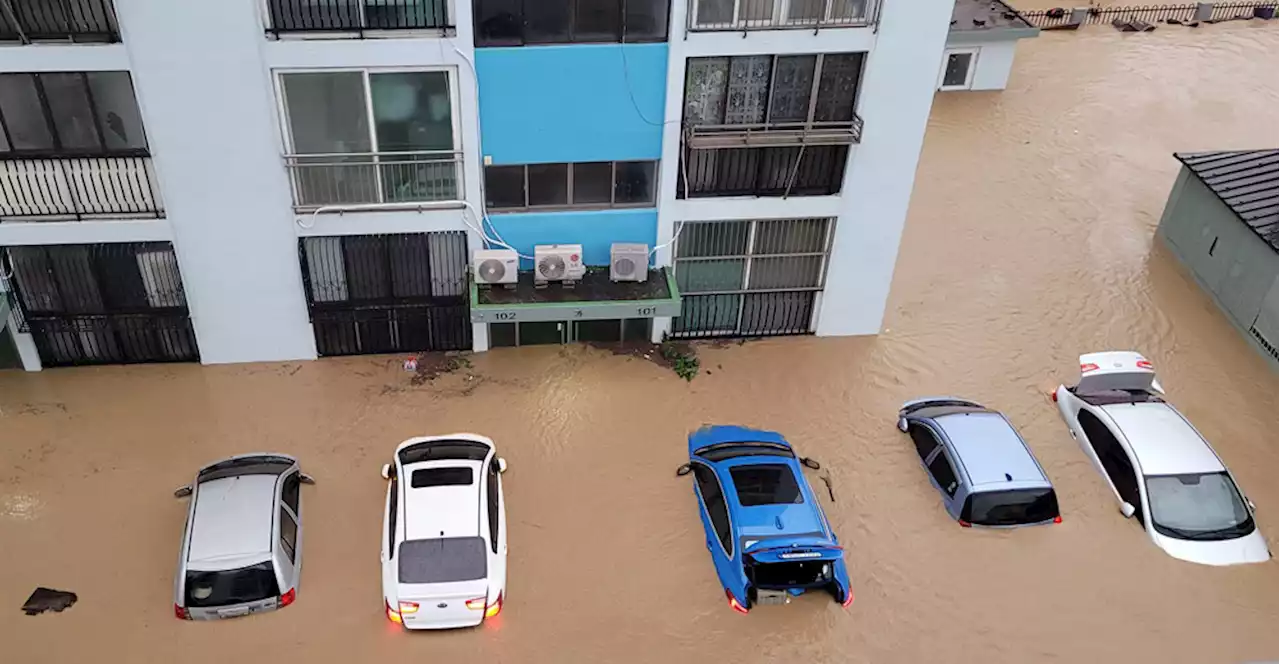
<point>323,180</point>
<point>64,188</point>
<point>767,134</point>
<point>766,171</point>
<point>27,21</point>
<point>302,16</point>
<point>733,15</point>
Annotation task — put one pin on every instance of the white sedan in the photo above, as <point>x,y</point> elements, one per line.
<point>444,533</point>
<point>1158,466</point>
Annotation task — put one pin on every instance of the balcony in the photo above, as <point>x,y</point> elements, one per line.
<point>27,21</point>
<point>772,171</point>
<point>356,16</point>
<point>744,15</point>
<point>63,188</point>
<point>373,178</point>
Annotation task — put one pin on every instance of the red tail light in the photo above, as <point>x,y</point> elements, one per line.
<point>476,604</point>
<point>180,613</point>
<point>1086,368</point>
<point>408,607</point>
<point>1146,364</point>
<point>287,598</point>
<point>848,599</point>
<point>733,602</point>
<point>1054,396</point>
<point>393,615</point>
<point>493,609</point>
<point>963,523</point>
<point>1057,519</point>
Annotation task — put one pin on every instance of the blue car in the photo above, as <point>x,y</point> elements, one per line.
<point>768,537</point>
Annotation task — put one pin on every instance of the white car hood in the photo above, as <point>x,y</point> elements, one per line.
<point>1251,548</point>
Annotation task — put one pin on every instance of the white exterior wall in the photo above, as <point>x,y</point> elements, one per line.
<point>992,63</point>
<point>203,76</point>
<point>897,88</point>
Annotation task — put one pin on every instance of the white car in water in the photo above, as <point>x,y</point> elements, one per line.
<point>444,533</point>
<point>1158,466</point>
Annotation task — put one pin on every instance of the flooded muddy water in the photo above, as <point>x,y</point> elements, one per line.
<point>1029,241</point>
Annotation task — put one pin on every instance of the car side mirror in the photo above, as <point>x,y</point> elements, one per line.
<point>810,463</point>
<point>386,471</point>
<point>1251,506</point>
<point>306,479</point>
<point>502,465</point>
<point>182,492</point>
<point>684,470</point>
<point>1128,510</point>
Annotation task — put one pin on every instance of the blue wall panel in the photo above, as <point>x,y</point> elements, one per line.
<point>595,231</point>
<point>547,104</point>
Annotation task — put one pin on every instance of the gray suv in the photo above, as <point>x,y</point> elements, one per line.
<point>242,549</point>
<point>979,464</point>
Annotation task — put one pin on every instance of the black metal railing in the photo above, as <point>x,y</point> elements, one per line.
<point>396,329</point>
<point>78,187</point>
<point>1060,18</point>
<point>28,21</point>
<point>785,171</point>
<point>114,339</point>
<point>291,16</point>
<point>1227,11</point>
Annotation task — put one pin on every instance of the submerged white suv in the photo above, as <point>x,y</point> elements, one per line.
<point>444,533</point>
<point>1161,470</point>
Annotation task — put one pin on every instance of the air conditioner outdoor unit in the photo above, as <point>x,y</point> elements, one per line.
<point>628,262</point>
<point>557,262</point>
<point>495,266</point>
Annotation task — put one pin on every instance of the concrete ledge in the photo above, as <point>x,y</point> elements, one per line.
<point>15,233</point>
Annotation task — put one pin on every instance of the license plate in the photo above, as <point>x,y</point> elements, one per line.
<point>773,597</point>
<point>234,613</point>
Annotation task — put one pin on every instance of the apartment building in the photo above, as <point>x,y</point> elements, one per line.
<point>254,180</point>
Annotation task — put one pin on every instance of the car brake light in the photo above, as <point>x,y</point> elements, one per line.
<point>393,615</point>
<point>180,613</point>
<point>1086,368</point>
<point>287,598</point>
<point>963,523</point>
<point>1145,364</point>
<point>476,604</point>
<point>493,609</point>
<point>1054,396</point>
<point>848,598</point>
<point>733,602</point>
<point>1057,519</point>
<point>408,607</point>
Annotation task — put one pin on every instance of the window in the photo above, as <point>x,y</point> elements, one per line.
<point>226,588</point>
<point>764,14</point>
<point>1198,506</point>
<point>766,484</point>
<point>493,503</point>
<point>370,137</point>
<point>754,89</point>
<point>943,473</point>
<point>393,506</point>
<point>924,440</point>
<point>429,477</point>
<point>70,113</point>
<point>288,534</point>
<point>1115,461</point>
<point>1012,507</point>
<point>713,500</point>
<point>442,560</point>
<point>513,23</point>
<point>291,492</point>
<point>957,73</point>
<point>590,185</point>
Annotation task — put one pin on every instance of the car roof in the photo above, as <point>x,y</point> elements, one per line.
<point>1164,442</point>
<point>760,521</point>
<point>442,511</point>
<point>989,449</point>
<point>233,518</point>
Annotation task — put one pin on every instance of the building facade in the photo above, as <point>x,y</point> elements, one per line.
<point>265,180</point>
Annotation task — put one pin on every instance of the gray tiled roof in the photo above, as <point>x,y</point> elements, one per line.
<point>1248,181</point>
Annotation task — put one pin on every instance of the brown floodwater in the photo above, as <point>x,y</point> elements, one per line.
<point>1029,241</point>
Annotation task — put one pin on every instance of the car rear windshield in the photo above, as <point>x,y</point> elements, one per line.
<point>444,449</point>
<point>1010,508</point>
<point>766,484</point>
<point>230,587</point>
<point>428,477</point>
<point>256,465</point>
<point>723,451</point>
<point>443,560</point>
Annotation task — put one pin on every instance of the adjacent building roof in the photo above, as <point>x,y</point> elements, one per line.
<point>992,19</point>
<point>1247,181</point>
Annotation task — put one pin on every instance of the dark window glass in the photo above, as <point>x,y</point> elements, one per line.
<point>498,22</point>
<point>547,21</point>
<point>493,505</point>
<point>502,335</point>
<point>504,186</point>
<point>605,330</point>
<point>924,440</point>
<point>393,506</point>
<point>634,182</point>
<point>291,492</point>
<point>367,266</point>
<point>597,20</point>
<point>429,477</point>
<point>767,484</point>
<point>637,329</point>
<point>957,69</point>
<point>288,534</point>
<point>226,588</point>
<point>1010,508</point>
<point>255,465</point>
<point>548,184</point>
<point>713,499</point>
<point>442,560</point>
<point>1113,457</point>
<point>592,183</point>
<point>943,473</point>
<point>645,20</point>
<point>838,87</point>
<point>724,451</point>
<point>23,113</point>
<point>68,96</point>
